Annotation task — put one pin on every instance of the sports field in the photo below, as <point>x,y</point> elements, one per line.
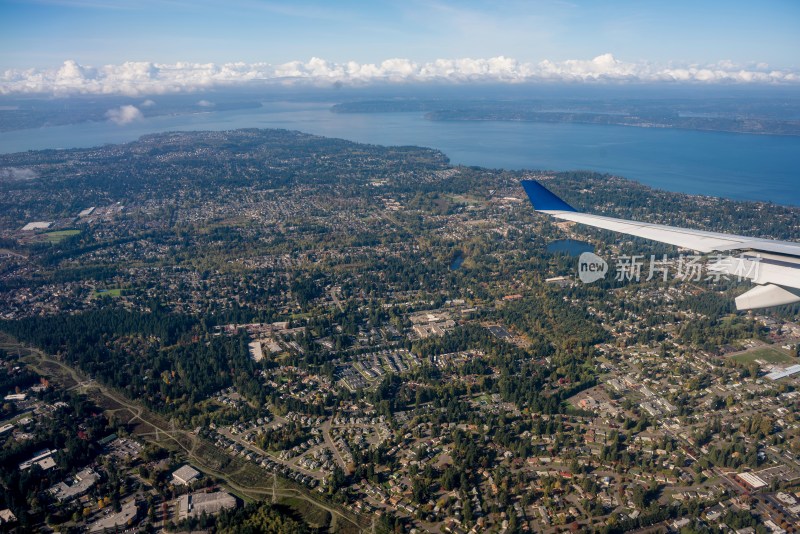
<point>768,355</point>
<point>60,235</point>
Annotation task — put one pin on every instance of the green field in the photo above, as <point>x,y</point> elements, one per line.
<point>768,355</point>
<point>60,235</point>
<point>313,515</point>
<point>116,292</point>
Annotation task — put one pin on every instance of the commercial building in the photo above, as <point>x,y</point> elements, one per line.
<point>185,475</point>
<point>82,482</point>
<point>789,371</point>
<point>753,481</point>
<point>43,459</point>
<point>124,518</point>
<point>208,503</point>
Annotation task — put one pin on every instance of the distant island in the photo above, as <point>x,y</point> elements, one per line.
<point>729,115</point>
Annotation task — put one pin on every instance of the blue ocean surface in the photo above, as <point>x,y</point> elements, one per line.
<point>738,166</point>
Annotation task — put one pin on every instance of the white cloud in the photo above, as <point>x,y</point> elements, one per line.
<point>124,114</point>
<point>148,103</point>
<point>17,174</point>
<point>205,104</point>
<point>146,78</point>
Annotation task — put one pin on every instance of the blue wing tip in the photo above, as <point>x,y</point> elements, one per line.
<point>542,199</point>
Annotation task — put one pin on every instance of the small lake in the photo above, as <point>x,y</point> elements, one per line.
<point>573,247</point>
<point>457,261</point>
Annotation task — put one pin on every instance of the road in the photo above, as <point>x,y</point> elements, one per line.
<point>335,298</point>
<point>37,360</point>
<point>326,434</point>
<point>258,450</point>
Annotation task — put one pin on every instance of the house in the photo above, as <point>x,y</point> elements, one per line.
<point>7,516</point>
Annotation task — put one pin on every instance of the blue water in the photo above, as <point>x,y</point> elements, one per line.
<point>457,261</point>
<point>573,247</point>
<point>739,166</point>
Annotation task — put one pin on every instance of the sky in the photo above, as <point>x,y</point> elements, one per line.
<point>95,45</point>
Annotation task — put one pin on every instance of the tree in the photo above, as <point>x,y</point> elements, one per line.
<point>420,491</point>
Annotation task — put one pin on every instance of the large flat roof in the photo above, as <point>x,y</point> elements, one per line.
<point>784,373</point>
<point>185,474</point>
<point>37,225</point>
<point>752,480</point>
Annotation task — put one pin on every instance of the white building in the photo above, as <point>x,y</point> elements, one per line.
<point>185,475</point>
<point>43,459</point>
<point>37,225</point>
<point>82,482</point>
<point>754,481</point>
<point>208,503</point>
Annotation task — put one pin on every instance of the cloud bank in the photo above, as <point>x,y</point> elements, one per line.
<point>143,78</point>
<point>124,114</point>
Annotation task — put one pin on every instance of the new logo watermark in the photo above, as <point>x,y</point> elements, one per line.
<point>591,267</point>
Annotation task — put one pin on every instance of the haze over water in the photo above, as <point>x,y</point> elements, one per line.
<point>738,166</point>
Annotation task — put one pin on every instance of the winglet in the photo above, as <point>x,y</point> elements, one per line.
<point>542,199</point>
<point>765,296</point>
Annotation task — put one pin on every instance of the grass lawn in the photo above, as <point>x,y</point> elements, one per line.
<point>767,354</point>
<point>464,199</point>
<point>313,515</point>
<point>59,235</point>
<point>116,292</point>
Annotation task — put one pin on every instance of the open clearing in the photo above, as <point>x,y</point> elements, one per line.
<point>59,235</point>
<point>768,355</point>
<point>116,292</point>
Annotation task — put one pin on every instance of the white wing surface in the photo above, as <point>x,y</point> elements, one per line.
<point>777,273</point>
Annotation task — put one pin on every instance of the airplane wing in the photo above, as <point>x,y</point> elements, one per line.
<point>773,265</point>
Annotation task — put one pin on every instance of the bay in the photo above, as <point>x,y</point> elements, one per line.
<point>738,166</point>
